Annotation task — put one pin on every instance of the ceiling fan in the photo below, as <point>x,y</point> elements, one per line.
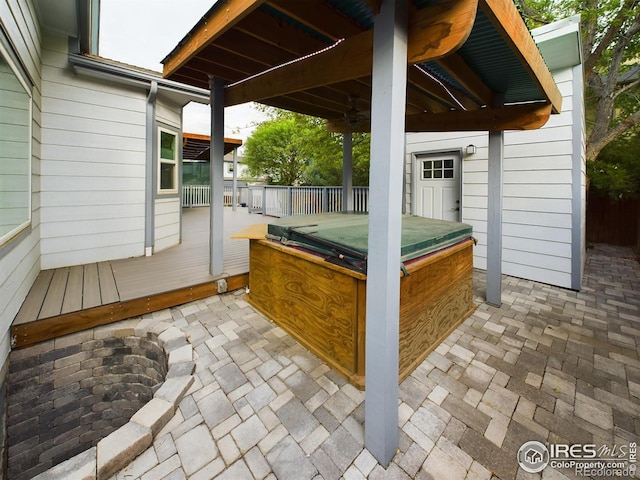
<point>352,120</point>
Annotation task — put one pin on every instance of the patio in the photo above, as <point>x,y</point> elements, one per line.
<point>551,365</point>
<point>69,299</point>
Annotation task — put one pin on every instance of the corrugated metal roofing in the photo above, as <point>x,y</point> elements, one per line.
<point>271,37</point>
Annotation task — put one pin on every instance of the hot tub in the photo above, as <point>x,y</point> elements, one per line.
<point>308,275</point>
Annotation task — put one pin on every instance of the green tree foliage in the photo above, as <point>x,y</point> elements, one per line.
<point>617,171</point>
<point>275,151</point>
<point>611,61</point>
<point>295,149</point>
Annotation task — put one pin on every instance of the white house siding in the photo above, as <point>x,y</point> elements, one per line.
<point>93,165</point>
<point>167,223</point>
<point>538,204</point>
<point>167,207</point>
<point>19,258</point>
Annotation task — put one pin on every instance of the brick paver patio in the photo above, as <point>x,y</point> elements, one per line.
<point>551,365</point>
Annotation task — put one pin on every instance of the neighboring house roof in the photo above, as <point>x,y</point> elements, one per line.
<point>630,75</point>
<point>463,55</point>
<point>196,146</point>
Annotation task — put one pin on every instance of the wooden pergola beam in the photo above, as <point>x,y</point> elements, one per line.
<point>467,77</point>
<point>318,16</point>
<point>438,30</point>
<point>434,32</point>
<point>515,117</point>
<point>353,55</point>
<point>506,18</point>
<point>375,4</point>
<point>220,21</point>
<point>440,90</point>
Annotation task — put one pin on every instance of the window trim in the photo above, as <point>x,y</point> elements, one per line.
<point>175,162</point>
<point>11,59</point>
<point>443,168</point>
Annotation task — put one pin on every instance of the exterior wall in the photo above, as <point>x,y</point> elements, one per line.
<point>167,211</point>
<point>539,209</point>
<point>20,257</point>
<point>167,223</point>
<point>93,165</point>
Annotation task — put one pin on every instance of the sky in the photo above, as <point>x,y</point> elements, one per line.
<point>143,32</point>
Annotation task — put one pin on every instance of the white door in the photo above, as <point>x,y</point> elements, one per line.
<point>438,186</point>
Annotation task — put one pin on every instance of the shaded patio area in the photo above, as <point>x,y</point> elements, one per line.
<point>550,364</point>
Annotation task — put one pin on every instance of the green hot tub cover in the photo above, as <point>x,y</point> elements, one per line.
<point>343,237</point>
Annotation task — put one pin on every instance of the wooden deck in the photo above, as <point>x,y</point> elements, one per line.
<point>70,299</point>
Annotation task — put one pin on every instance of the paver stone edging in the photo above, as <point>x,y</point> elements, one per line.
<point>118,449</point>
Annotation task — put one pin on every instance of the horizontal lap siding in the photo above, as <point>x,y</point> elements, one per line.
<point>167,224</point>
<point>20,258</point>
<point>537,171</point>
<point>93,166</point>
<point>537,204</point>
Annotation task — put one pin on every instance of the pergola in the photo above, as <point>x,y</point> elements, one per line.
<point>389,67</point>
<point>197,147</point>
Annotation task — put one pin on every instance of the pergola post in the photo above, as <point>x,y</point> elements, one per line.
<point>494,218</point>
<point>347,172</point>
<point>385,223</point>
<point>235,179</point>
<point>216,254</point>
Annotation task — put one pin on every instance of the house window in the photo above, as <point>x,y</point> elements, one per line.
<point>437,169</point>
<point>168,165</point>
<point>15,149</point>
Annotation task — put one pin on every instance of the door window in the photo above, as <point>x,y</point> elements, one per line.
<point>437,169</point>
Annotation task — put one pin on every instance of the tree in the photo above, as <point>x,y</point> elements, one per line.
<point>611,61</point>
<point>325,153</point>
<point>276,151</point>
<point>617,171</point>
<point>295,149</point>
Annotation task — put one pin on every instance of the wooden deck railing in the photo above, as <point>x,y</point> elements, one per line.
<point>200,196</point>
<point>280,201</point>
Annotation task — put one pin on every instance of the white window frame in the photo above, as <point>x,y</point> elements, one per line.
<point>166,161</point>
<point>8,57</point>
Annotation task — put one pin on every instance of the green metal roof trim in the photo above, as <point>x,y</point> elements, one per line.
<point>346,234</point>
<point>360,12</point>
<point>486,52</point>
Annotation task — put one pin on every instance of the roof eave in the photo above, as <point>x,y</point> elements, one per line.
<point>95,66</point>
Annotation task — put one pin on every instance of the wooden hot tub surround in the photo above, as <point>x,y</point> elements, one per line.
<point>323,305</point>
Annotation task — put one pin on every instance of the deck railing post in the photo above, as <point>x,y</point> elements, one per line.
<point>325,199</point>
<point>289,200</point>
<point>347,172</point>
<point>264,200</point>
